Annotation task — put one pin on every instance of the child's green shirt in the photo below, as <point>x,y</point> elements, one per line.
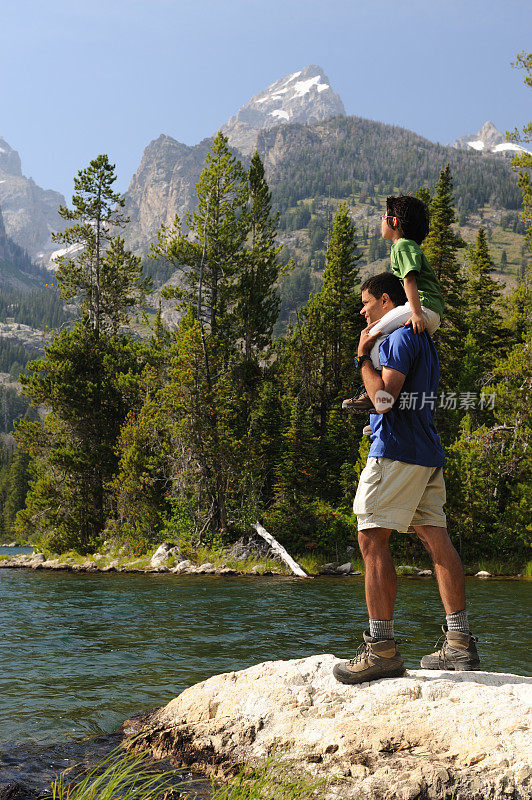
<point>407,256</point>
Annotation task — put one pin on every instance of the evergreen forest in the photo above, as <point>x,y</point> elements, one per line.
<point>191,435</point>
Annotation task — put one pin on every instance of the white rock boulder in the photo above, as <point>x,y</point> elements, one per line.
<point>427,734</point>
<point>163,554</point>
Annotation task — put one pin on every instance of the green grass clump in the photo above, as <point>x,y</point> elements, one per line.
<point>122,776</point>
<point>528,569</point>
<point>129,776</point>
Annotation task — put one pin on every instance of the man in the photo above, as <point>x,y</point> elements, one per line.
<point>400,488</point>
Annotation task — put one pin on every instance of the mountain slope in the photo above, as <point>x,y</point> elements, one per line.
<point>162,187</point>
<point>336,158</point>
<point>16,268</point>
<point>30,213</point>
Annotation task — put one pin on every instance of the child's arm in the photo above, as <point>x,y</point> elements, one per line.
<point>412,295</point>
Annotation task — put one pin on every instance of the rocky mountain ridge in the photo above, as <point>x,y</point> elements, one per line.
<point>489,140</point>
<point>304,96</point>
<point>340,156</point>
<point>30,213</point>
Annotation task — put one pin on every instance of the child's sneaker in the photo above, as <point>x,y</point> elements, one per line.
<point>359,405</point>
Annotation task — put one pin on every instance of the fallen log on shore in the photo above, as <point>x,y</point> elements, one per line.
<point>280,551</point>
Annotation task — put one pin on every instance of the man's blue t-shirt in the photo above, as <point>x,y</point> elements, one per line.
<point>406,432</point>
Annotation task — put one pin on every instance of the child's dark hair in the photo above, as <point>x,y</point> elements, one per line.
<point>385,282</point>
<point>412,215</point>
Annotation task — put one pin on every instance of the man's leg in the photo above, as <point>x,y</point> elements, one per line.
<point>459,651</point>
<point>380,579</point>
<point>380,657</point>
<point>447,566</point>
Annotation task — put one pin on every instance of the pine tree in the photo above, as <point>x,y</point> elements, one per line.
<point>441,246</point>
<point>317,358</point>
<point>482,297</point>
<point>442,243</point>
<point>257,303</point>
<point>17,487</point>
<point>102,275</point>
<point>340,298</point>
<point>522,162</point>
<point>504,261</point>
<point>89,383</point>
<point>88,378</point>
<point>229,267</point>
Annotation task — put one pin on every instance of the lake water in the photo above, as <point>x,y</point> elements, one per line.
<point>79,653</point>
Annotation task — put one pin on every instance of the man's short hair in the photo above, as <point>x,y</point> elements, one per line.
<point>412,215</point>
<point>377,285</point>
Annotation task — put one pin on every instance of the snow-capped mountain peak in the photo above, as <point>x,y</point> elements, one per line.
<point>489,140</point>
<point>303,96</point>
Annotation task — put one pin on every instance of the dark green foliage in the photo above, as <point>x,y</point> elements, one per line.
<point>257,301</point>
<point>317,364</point>
<point>41,310</point>
<point>88,382</point>
<point>350,155</point>
<point>13,406</point>
<point>229,267</point>
<point>13,357</point>
<point>16,488</point>
<point>441,246</point>
<point>482,311</point>
<point>88,378</point>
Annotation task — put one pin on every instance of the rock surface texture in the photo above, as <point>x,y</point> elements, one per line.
<point>164,184</point>
<point>425,735</point>
<point>30,213</point>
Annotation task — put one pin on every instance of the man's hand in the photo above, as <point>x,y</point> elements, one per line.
<point>367,340</point>
<point>418,323</point>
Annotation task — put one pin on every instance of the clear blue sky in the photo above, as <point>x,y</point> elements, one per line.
<point>82,78</point>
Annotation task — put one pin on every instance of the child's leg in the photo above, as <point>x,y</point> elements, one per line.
<point>393,320</point>
<point>388,323</point>
<point>432,319</point>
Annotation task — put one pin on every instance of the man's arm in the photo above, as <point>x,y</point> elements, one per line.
<point>383,388</point>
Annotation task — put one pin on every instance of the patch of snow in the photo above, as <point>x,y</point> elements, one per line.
<point>2,181</point>
<point>2,150</point>
<point>302,87</point>
<point>66,251</point>
<point>499,148</point>
<point>478,144</point>
<point>279,113</point>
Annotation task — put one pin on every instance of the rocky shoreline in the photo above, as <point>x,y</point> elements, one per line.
<point>426,735</point>
<point>167,558</point>
<point>38,561</point>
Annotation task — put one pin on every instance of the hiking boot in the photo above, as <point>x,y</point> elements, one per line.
<point>458,652</point>
<point>359,405</point>
<point>376,658</point>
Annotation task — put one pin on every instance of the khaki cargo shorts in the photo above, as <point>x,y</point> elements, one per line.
<point>396,495</point>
